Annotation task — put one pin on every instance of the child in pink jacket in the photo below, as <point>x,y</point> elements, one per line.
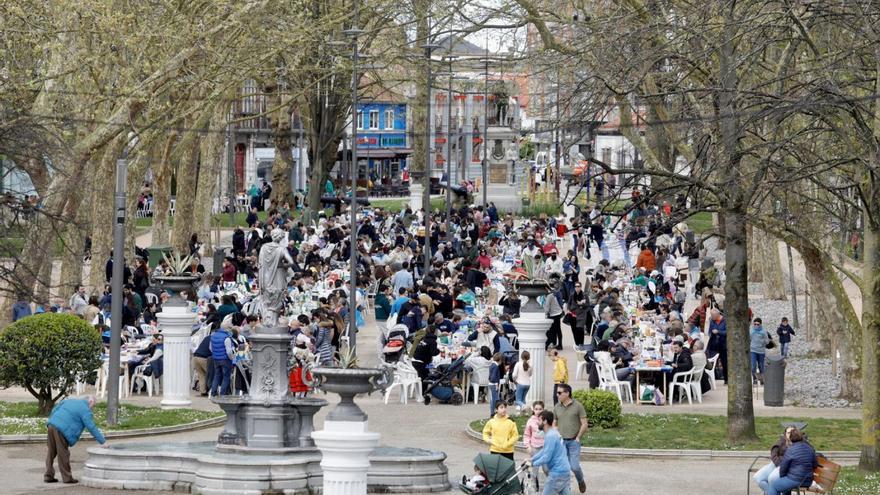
<point>533,436</point>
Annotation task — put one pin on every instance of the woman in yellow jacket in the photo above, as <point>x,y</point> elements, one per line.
<point>501,433</point>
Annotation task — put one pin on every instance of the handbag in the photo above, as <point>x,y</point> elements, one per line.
<point>770,344</point>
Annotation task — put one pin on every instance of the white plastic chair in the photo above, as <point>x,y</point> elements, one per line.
<point>582,365</point>
<point>479,379</point>
<point>149,381</point>
<point>152,298</point>
<point>407,379</point>
<point>696,378</point>
<point>608,381</point>
<point>683,381</point>
<point>101,382</point>
<point>710,369</point>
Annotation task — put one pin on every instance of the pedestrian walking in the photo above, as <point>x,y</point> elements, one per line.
<point>784,331</point>
<point>571,420</point>
<point>65,426</point>
<point>553,454</point>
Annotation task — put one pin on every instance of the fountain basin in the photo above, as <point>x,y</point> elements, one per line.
<point>199,468</point>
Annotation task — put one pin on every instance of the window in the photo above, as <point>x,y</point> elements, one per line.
<point>389,118</point>
<point>606,156</point>
<point>360,120</point>
<point>374,119</point>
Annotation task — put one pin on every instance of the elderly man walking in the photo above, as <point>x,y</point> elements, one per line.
<point>66,424</point>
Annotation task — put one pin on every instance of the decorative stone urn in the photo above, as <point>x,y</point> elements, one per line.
<point>533,289</point>
<point>176,323</point>
<point>176,284</point>
<point>345,442</point>
<point>348,383</point>
<point>532,326</point>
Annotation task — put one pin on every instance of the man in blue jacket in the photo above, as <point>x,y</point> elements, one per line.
<point>66,423</point>
<point>555,456</point>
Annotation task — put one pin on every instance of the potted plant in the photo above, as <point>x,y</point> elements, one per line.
<point>348,380</point>
<point>178,279</point>
<point>530,284</point>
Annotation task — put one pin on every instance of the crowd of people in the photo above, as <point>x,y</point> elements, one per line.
<point>437,284</point>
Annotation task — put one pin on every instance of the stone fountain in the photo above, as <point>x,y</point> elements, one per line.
<point>268,442</point>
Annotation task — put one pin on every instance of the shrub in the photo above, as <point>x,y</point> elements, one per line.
<point>602,406</point>
<point>47,353</point>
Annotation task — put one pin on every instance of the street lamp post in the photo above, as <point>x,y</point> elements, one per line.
<point>449,151</point>
<point>116,289</point>
<point>426,203</point>
<point>352,293</point>
<point>486,128</point>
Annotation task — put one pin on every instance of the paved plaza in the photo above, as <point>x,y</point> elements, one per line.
<point>441,427</point>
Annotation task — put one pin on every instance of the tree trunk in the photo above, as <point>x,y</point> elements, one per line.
<point>72,255</point>
<point>755,273</point>
<point>721,229</point>
<point>740,410</point>
<point>184,209</point>
<point>162,193</point>
<point>283,164</point>
<point>771,267</point>
<point>212,161</point>
<point>45,405</point>
<point>418,125</point>
<point>103,183</point>
<point>834,314</point>
<point>137,169</point>
<point>870,457</point>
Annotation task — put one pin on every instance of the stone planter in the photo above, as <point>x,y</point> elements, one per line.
<point>349,382</point>
<point>176,284</point>
<point>533,289</point>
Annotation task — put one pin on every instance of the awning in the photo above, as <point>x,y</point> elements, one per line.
<point>378,153</point>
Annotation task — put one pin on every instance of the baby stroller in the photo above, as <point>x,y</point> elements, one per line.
<point>439,383</point>
<point>395,343</point>
<point>502,476</point>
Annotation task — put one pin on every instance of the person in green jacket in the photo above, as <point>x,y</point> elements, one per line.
<point>65,426</point>
<point>383,303</point>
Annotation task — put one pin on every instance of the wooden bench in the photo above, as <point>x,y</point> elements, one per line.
<point>824,477</point>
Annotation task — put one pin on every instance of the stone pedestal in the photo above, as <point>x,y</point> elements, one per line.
<point>415,196</point>
<point>532,327</point>
<point>345,449</point>
<point>176,323</point>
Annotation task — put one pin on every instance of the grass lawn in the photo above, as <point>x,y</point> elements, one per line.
<point>222,218</point>
<point>395,205</point>
<point>700,432</point>
<point>20,418</point>
<point>855,482</point>
<point>701,222</point>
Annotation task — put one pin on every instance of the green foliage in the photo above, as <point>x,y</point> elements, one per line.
<point>47,353</point>
<point>602,406</point>
<point>526,149</point>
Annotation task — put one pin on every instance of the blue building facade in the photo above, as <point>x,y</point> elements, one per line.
<point>383,141</point>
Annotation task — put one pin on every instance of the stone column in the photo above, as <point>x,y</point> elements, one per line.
<point>345,449</point>
<point>532,327</point>
<point>176,324</point>
<point>415,195</point>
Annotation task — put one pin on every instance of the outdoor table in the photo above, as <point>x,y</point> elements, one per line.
<point>644,368</point>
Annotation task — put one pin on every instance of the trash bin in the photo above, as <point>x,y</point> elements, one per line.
<point>774,381</point>
<point>219,256</point>
<point>156,253</point>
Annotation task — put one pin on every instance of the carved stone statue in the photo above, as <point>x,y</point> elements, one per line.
<point>273,277</point>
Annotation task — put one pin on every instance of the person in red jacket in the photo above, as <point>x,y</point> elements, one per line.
<point>647,259</point>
